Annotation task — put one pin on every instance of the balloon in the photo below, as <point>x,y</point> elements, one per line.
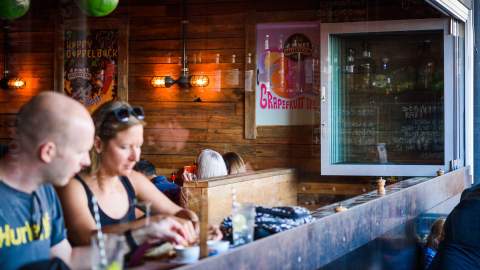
<point>12,9</point>
<point>97,8</point>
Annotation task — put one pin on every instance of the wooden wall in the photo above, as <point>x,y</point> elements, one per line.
<point>179,126</point>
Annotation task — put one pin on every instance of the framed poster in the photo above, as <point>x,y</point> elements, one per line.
<point>287,91</point>
<point>92,61</point>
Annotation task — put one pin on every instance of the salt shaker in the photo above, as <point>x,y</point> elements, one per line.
<point>381,186</point>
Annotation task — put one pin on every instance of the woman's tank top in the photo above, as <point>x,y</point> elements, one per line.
<point>104,218</point>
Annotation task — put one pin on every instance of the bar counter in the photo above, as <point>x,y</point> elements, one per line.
<point>332,235</point>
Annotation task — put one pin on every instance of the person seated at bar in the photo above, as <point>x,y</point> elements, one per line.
<point>113,182</point>
<point>171,190</point>
<point>473,191</point>
<point>234,163</point>
<point>209,164</point>
<point>460,248</point>
<point>53,136</point>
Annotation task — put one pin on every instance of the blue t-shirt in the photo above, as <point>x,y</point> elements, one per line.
<point>30,224</point>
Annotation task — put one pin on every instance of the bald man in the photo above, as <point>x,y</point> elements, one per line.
<point>52,142</point>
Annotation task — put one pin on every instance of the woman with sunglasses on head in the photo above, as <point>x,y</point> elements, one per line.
<point>113,182</point>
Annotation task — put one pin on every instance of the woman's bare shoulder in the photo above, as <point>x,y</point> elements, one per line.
<point>137,176</point>
<point>73,189</point>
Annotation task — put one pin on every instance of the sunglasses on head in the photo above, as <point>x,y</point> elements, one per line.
<point>122,114</point>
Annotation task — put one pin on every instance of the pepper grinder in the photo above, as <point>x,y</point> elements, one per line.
<point>381,186</point>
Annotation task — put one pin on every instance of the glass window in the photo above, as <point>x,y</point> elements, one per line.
<point>387,98</point>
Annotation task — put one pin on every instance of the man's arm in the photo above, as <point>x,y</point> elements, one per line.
<point>167,229</point>
<point>62,250</point>
<point>76,258</point>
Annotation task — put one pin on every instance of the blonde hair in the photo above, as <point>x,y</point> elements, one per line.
<point>436,233</point>
<point>210,164</point>
<point>107,127</point>
<point>234,163</point>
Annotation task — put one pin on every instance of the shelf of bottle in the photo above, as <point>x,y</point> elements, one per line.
<point>373,90</point>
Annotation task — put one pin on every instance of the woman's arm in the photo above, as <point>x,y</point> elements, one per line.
<point>146,191</point>
<point>78,219</point>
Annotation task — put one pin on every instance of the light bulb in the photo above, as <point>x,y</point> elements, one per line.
<point>199,80</point>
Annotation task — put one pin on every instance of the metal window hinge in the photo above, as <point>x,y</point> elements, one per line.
<point>453,28</point>
<point>455,164</point>
<point>323,130</point>
<point>323,93</point>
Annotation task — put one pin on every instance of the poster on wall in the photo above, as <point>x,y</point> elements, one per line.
<point>92,65</point>
<point>287,73</point>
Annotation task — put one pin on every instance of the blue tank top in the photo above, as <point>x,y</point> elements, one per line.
<point>104,218</point>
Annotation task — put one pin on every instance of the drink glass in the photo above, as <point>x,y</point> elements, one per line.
<point>243,223</point>
<point>109,254</point>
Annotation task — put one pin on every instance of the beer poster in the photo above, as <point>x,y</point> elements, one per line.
<point>92,63</point>
<point>287,91</point>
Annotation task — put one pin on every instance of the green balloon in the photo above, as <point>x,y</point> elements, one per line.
<point>12,9</point>
<point>97,8</point>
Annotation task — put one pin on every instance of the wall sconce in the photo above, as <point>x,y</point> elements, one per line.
<point>162,81</point>
<point>12,83</point>
<point>7,81</point>
<point>199,80</point>
<point>185,80</point>
<point>167,81</point>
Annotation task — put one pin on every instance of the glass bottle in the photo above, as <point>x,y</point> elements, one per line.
<point>308,68</point>
<point>218,73</point>
<point>383,79</point>
<point>267,63</point>
<point>281,70</point>
<point>350,69</point>
<point>277,69</point>
<point>234,73</point>
<point>366,68</point>
<point>426,67</point>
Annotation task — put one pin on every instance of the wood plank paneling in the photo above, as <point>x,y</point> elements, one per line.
<point>178,126</point>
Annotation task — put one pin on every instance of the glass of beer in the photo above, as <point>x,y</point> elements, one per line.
<point>243,223</point>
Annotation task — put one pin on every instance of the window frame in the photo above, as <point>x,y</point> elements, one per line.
<point>450,143</point>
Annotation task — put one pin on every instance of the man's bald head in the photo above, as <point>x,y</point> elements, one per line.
<point>49,116</point>
<point>54,134</point>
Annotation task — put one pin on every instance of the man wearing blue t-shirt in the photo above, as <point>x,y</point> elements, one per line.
<point>52,142</point>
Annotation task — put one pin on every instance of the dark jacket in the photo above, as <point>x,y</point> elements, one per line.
<point>460,249</point>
